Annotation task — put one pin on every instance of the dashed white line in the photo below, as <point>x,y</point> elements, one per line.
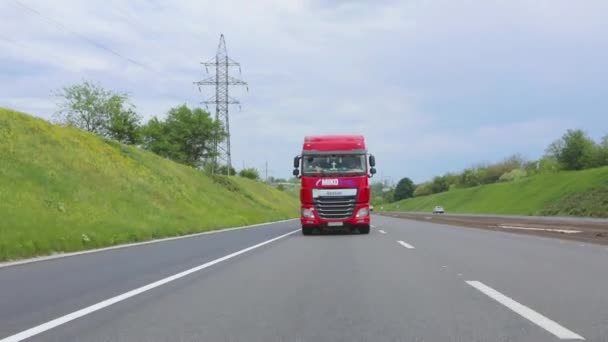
<point>402,243</point>
<point>524,311</point>
<point>382,231</point>
<point>95,307</point>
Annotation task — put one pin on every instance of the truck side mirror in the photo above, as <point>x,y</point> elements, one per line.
<point>372,171</point>
<point>372,160</point>
<point>296,162</point>
<point>296,172</point>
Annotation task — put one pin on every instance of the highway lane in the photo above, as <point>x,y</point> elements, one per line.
<point>37,292</point>
<point>567,280</point>
<point>347,288</point>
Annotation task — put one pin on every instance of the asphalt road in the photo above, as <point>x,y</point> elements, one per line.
<point>406,281</point>
<point>547,219</point>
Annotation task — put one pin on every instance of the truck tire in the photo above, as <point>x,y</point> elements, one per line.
<point>364,229</point>
<point>306,230</point>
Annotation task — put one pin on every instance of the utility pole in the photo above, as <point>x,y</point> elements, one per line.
<point>266,171</point>
<point>221,99</point>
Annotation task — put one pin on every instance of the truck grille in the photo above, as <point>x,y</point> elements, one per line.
<point>335,208</point>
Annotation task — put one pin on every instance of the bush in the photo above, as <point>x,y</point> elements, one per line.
<point>423,190</point>
<point>439,184</point>
<point>223,170</point>
<point>513,175</point>
<point>250,173</point>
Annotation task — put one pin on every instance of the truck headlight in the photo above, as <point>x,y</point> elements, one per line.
<point>308,213</point>
<point>363,212</point>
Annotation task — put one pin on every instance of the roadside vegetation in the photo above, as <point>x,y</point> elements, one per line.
<point>65,189</point>
<point>575,193</point>
<point>570,179</point>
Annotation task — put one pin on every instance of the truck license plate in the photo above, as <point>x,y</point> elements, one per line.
<point>334,224</point>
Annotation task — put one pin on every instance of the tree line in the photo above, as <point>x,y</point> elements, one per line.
<point>575,150</point>
<point>186,135</point>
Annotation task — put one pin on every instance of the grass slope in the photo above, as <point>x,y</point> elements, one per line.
<point>63,190</point>
<point>579,193</point>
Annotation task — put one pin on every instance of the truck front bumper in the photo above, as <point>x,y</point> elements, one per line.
<point>316,221</point>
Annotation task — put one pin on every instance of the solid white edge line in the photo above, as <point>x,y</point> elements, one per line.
<point>133,244</point>
<point>524,311</point>
<point>382,231</point>
<point>103,304</point>
<point>405,244</point>
<point>565,231</point>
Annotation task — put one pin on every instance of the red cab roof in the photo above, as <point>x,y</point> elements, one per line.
<point>330,143</point>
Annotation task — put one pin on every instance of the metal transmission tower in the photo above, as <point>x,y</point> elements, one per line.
<point>221,99</point>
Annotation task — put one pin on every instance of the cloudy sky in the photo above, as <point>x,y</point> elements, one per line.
<point>435,86</point>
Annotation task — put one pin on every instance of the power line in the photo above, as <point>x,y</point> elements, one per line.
<point>81,36</point>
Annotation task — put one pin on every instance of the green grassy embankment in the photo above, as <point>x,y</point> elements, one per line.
<point>567,193</point>
<point>64,190</point>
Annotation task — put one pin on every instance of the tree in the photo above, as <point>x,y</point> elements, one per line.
<point>84,106</point>
<point>194,132</point>
<point>574,151</point>
<point>548,164</point>
<point>250,173</point>
<point>439,184</point>
<point>376,188</point>
<point>468,178</point>
<point>157,138</point>
<point>423,189</point>
<point>123,122</point>
<point>381,190</point>
<point>603,151</point>
<point>90,107</point>
<point>405,189</point>
<point>186,136</point>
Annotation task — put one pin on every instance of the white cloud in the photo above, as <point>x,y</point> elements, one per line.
<point>378,68</point>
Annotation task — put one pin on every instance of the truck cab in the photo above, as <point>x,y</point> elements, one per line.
<point>334,172</point>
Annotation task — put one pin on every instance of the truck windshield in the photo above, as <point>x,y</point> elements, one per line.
<point>351,164</point>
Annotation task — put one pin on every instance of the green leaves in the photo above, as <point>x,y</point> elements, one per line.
<point>90,107</point>
<point>250,173</point>
<point>576,151</point>
<point>405,189</point>
<point>186,136</point>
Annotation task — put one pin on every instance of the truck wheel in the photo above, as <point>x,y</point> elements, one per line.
<point>306,230</point>
<point>364,229</point>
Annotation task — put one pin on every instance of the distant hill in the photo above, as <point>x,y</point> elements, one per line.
<point>62,189</point>
<point>566,193</point>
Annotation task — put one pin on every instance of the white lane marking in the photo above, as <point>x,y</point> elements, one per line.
<point>402,243</point>
<point>373,226</point>
<point>134,244</point>
<point>103,304</point>
<point>382,232</point>
<point>524,311</point>
<point>565,231</point>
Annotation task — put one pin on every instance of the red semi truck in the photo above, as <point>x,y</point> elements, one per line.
<point>335,192</point>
